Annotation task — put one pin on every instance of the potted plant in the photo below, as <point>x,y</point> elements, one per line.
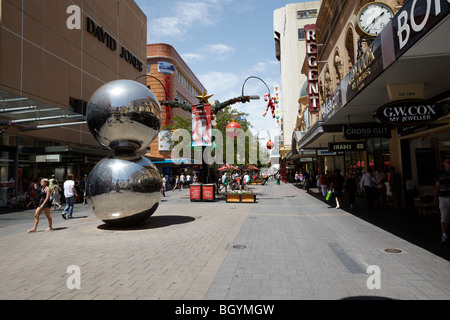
<point>233,196</point>
<point>248,197</point>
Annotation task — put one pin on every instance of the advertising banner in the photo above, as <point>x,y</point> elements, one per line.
<point>201,125</point>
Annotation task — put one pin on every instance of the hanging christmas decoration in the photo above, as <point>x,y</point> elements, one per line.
<point>3,130</point>
<point>271,102</point>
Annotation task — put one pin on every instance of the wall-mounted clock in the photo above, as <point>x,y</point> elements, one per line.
<point>373,17</point>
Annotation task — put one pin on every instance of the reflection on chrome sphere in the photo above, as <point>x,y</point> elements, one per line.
<point>124,191</point>
<point>124,116</point>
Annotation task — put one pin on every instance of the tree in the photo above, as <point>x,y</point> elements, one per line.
<point>223,118</point>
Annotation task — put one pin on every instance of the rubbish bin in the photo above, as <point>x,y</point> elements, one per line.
<point>208,192</point>
<point>196,191</point>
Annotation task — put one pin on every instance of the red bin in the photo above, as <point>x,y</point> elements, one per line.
<point>196,192</point>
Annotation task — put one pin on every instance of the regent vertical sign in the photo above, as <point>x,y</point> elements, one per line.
<point>312,71</point>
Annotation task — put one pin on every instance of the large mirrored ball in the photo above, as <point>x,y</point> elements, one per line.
<point>124,115</point>
<point>124,191</point>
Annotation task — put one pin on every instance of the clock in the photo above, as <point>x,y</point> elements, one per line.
<point>373,17</point>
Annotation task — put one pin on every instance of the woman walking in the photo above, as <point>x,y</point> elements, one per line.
<point>44,205</point>
<point>177,184</point>
<point>56,195</point>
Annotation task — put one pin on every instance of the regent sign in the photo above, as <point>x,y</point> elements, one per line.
<point>412,112</point>
<point>313,75</point>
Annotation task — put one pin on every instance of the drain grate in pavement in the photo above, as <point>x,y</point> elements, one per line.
<point>393,250</point>
<point>239,246</point>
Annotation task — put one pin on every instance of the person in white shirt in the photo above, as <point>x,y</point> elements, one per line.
<point>224,181</point>
<point>246,180</point>
<point>69,194</point>
<point>188,180</point>
<point>182,181</point>
<point>370,188</point>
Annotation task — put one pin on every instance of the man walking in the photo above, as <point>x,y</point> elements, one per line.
<point>442,196</point>
<point>368,184</point>
<point>69,194</point>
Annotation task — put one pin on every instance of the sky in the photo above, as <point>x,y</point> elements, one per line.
<point>223,42</point>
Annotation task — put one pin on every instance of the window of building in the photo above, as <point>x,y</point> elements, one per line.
<point>301,34</point>
<point>306,14</point>
<point>185,82</point>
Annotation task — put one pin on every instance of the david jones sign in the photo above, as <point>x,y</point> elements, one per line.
<point>103,36</point>
<point>412,112</point>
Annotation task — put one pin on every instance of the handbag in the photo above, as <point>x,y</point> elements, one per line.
<point>328,195</point>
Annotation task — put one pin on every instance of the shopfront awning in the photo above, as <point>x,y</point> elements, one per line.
<point>31,114</point>
<point>413,67</point>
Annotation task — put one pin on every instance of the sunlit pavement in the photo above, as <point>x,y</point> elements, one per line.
<point>288,245</point>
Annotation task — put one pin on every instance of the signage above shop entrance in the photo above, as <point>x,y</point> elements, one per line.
<point>412,112</point>
<point>346,146</point>
<point>365,131</point>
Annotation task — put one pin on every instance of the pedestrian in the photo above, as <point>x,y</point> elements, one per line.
<point>44,205</point>
<point>195,178</point>
<point>84,186</point>
<point>69,193</point>
<point>32,195</point>
<point>350,187</point>
<point>188,180</point>
<point>182,181</point>
<point>337,184</point>
<point>395,185</point>
<point>56,194</point>
<point>442,195</point>
<point>246,180</point>
<point>380,179</point>
<point>368,184</point>
<point>177,183</point>
<point>307,181</point>
<point>225,181</point>
<point>324,184</point>
<point>164,182</point>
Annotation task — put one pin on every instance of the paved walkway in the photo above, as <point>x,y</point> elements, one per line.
<point>289,245</point>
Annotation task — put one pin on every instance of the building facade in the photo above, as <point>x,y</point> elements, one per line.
<point>54,55</point>
<point>171,79</point>
<point>290,46</point>
<point>383,96</point>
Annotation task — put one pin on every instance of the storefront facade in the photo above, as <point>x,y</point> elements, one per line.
<point>391,106</point>
<point>53,56</point>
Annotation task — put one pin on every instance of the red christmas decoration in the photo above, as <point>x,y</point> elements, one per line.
<point>232,129</point>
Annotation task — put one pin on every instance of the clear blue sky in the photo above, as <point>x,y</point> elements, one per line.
<point>223,42</point>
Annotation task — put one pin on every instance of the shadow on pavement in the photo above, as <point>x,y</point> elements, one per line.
<point>151,223</point>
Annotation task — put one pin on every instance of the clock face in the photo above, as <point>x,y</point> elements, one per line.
<point>373,17</point>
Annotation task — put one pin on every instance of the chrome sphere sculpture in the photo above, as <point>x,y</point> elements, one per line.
<point>125,188</point>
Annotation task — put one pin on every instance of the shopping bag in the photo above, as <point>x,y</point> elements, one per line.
<point>328,195</point>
